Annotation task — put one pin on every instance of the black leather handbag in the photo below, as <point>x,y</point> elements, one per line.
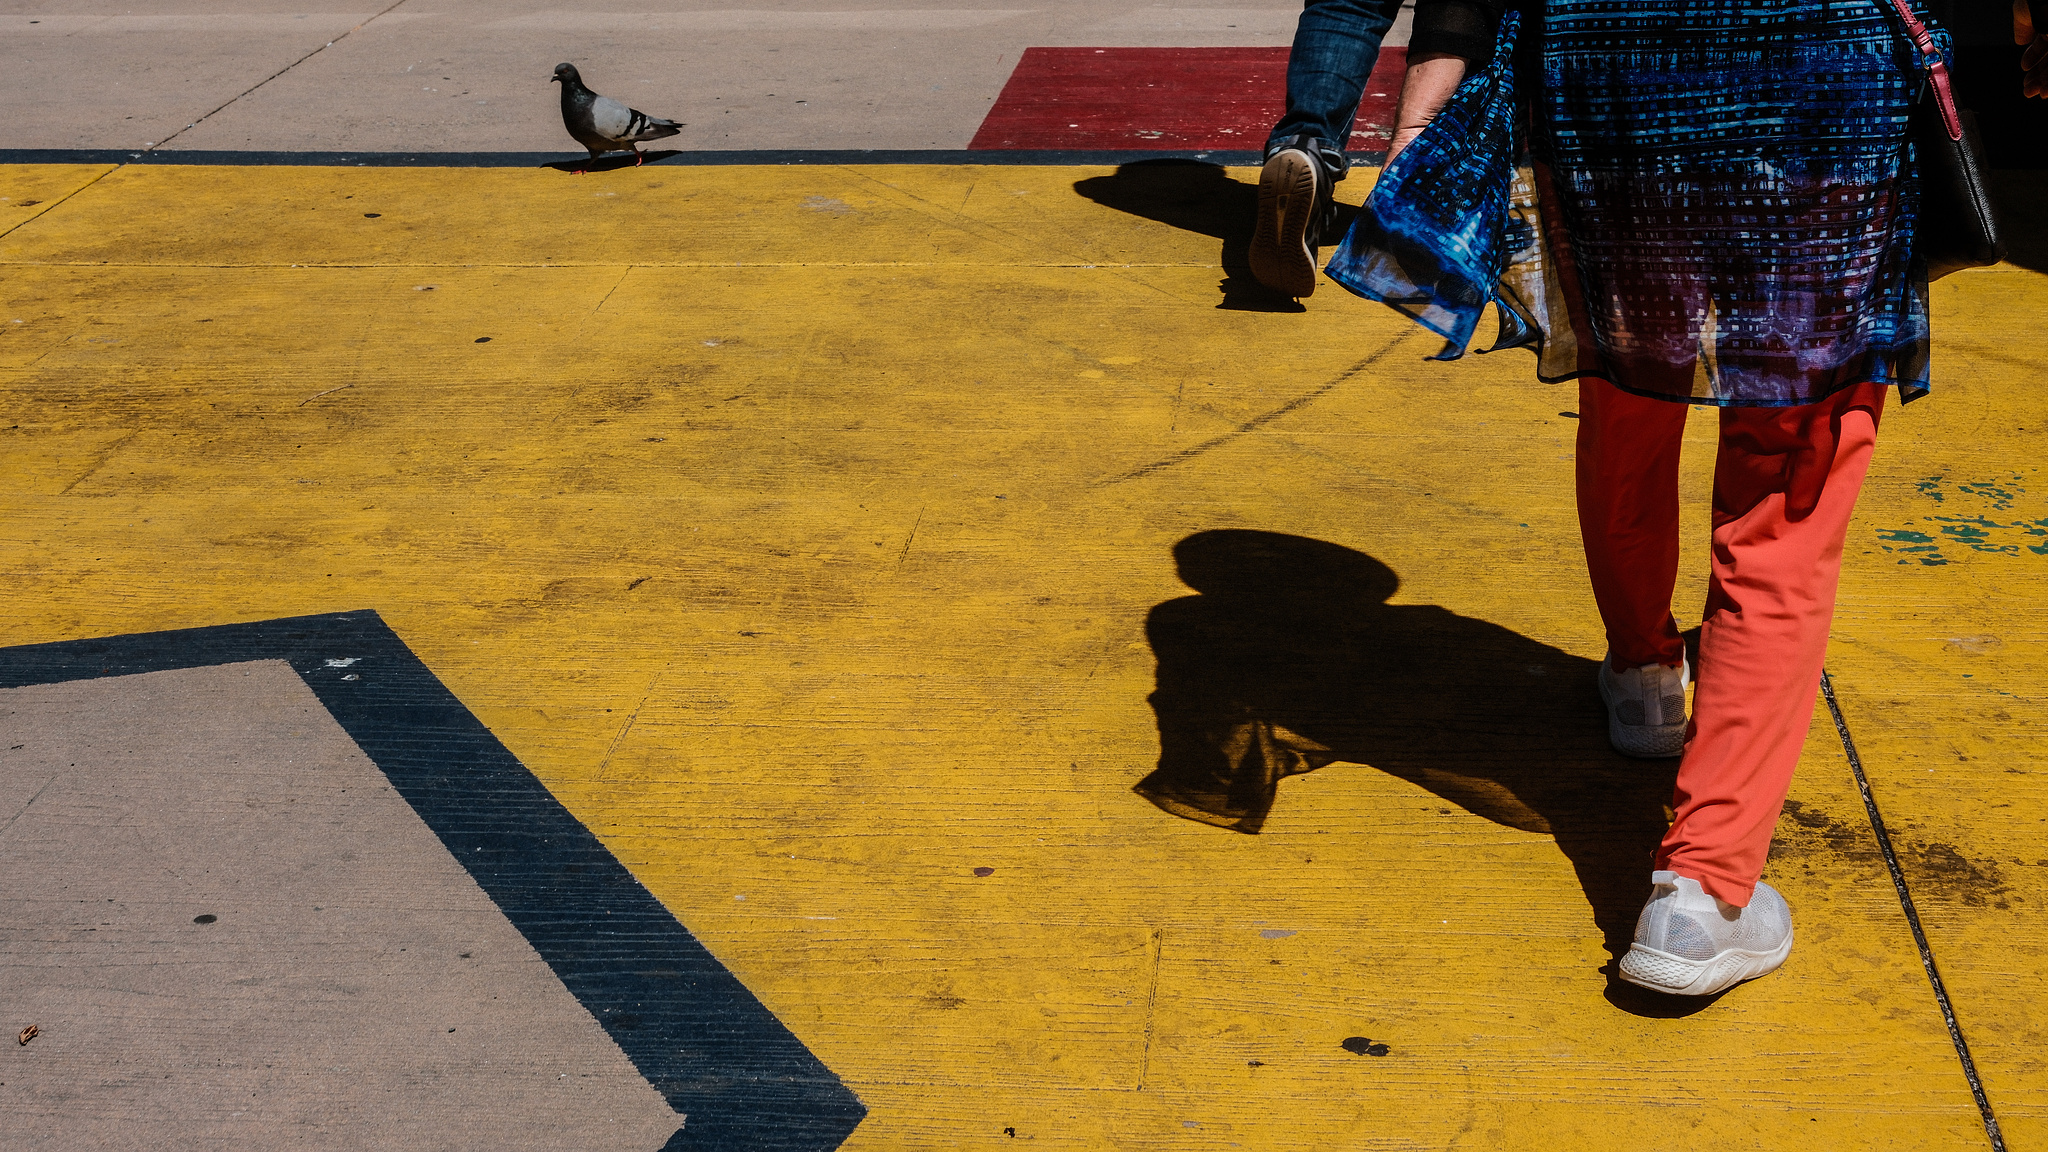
<point>1957,227</point>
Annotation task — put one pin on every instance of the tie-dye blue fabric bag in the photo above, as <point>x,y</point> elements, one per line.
<point>1433,237</point>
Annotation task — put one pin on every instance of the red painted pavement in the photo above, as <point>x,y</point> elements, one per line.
<point>1169,99</point>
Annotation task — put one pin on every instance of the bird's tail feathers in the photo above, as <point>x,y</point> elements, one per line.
<point>645,127</point>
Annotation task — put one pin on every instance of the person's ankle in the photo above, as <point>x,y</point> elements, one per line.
<point>1329,158</point>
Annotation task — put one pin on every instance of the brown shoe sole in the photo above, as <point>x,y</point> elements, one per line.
<point>1280,257</point>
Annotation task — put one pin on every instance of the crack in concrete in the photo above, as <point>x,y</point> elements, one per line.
<point>592,314</point>
<point>100,461</point>
<point>267,79</point>
<point>53,205</point>
<point>1256,422</point>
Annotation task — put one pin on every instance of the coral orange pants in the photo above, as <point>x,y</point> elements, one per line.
<point>1785,482</point>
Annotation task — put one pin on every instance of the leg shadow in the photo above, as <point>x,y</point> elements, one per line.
<point>1199,197</point>
<point>1290,658</point>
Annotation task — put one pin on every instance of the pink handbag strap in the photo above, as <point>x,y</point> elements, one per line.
<point>1937,72</point>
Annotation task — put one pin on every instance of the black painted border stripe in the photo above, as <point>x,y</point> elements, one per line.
<point>693,1030</point>
<point>1891,861</point>
<point>936,156</point>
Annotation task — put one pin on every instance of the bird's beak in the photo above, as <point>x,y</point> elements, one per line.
<point>554,79</point>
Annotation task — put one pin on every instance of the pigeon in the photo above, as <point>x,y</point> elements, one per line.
<point>601,123</point>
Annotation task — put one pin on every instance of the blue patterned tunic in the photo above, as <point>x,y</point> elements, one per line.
<point>1702,200</point>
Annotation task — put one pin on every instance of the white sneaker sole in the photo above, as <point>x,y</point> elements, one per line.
<point>1643,741</point>
<point>1677,976</point>
<point>1280,256</point>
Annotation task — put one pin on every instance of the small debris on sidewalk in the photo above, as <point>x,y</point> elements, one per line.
<point>27,1034</point>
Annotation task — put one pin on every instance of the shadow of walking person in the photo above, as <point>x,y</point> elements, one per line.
<point>1198,197</point>
<point>1290,658</point>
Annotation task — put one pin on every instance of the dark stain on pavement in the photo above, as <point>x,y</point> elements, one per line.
<point>1813,839</point>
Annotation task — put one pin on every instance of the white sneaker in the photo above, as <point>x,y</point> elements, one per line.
<point>1646,708</point>
<point>1691,944</point>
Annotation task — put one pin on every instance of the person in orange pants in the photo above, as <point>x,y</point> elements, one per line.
<point>1673,233</point>
<point>1785,483</point>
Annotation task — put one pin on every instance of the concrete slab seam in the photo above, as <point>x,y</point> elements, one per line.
<point>1891,861</point>
<point>267,79</point>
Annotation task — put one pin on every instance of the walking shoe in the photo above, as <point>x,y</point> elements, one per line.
<point>1646,708</point>
<point>1294,204</point>
<point>1691,944</point>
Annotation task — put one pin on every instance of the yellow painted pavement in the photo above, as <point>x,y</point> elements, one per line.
<point>1940,661</point>
<point>799,527</point>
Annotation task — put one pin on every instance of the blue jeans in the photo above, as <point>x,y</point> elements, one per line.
<point>1335,45</point>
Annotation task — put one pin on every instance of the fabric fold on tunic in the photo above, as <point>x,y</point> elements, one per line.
<point>1715,203</point>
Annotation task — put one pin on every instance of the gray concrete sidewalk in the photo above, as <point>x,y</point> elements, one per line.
<point>231,932</point>
<point>471,75</point>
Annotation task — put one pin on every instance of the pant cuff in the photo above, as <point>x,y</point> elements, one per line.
<point>1723,886</point>
<point>1335,163</point>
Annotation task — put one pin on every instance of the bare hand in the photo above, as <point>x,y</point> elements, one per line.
<point>1431,79</point>
<point>1402,138</point>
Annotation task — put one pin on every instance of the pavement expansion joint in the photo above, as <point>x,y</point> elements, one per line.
<point>160,145</point>
<point>1905,894</point>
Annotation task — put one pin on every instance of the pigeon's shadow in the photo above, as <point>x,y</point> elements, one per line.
<point>612,163</point>
<point>1291,658</point>
<point>1200,197</point>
